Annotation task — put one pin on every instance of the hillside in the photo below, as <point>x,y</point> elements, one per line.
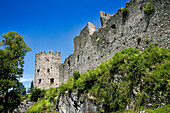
<point>131,80</point>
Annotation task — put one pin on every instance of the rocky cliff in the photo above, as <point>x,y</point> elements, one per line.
<point>23,107</point>
<point>73,103</point>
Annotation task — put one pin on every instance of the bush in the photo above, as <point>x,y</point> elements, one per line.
<point>37,93</point>
<point>39,106</point>
<point>97,41</point>
<point>149,8</point>
<point>76,75</point>
<point>125,11</point>
<point>147,41</point>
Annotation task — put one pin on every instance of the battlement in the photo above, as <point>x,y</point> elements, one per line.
<point>81,40</point>
<point>104,17</point>
<point>89,28</point>
<point>48,52</point>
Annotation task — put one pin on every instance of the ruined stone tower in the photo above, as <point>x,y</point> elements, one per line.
<point>47,69</point>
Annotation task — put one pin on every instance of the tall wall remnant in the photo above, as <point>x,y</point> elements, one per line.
<point>47,69</point>
<point>118,31</point>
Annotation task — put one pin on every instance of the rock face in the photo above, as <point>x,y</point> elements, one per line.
<point>75,103</point>
<point>23,107</point>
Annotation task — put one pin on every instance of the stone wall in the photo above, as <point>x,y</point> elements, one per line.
<point>91,47</point>
<point>47,69</point>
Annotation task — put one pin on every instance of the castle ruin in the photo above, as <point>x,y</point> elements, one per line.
<point>47,69</point>
<point>118,31</point>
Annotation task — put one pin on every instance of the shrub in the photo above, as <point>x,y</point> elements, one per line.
<point>147,41</point>
<point>85,41</point>
<point>165,5</point>
<point>76,75</point>
<point>51,92</point>
<point>125,11</point>
<point>39,106</point>
<point>149,8</point>
<point>97,41</point>
<point>37,93</point>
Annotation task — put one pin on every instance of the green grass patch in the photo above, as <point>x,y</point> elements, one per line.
<point>149,8</point>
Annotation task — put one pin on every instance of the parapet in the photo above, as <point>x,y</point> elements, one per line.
<point>104,17</point>
<point>48,52</point>
<point>89,28</point>
<point>58,53</point>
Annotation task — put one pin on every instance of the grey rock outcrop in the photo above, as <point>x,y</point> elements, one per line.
<point>74,103</point>
<point>23,107</point>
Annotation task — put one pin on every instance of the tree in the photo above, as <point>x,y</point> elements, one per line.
<point>37,93</point>
<point>31,88</point>
<point>11,67</point>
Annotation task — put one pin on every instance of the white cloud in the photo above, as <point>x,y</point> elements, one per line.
<point>25,79</point>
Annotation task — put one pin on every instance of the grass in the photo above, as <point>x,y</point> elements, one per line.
<point>149,8</point>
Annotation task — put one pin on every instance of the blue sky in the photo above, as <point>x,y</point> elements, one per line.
<point>51,24</point>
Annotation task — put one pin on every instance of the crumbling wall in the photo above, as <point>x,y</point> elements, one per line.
<point>118,32</point>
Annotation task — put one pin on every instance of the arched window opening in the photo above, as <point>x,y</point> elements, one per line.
<point>39,81</point>
<point>138,40</point>
<point>113,26</point>
<point>68,63</point>
<point>38,70</point>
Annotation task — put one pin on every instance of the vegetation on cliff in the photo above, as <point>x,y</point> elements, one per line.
<point>132,79</point>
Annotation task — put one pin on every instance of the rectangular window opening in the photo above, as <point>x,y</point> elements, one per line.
<point>51,81</point>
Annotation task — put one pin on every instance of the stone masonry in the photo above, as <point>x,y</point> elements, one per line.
<point>47,69</point>
<point>92,47</point>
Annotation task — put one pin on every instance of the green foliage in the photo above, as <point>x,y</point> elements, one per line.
<point>76,75</point>
<point>31,87</point>
<point>51,93</point>
<point>117,91</point>
<point>125,11</point>
<point>149,8</point>
<point>165,5</point>
<point>147,41</point>
<point>115,81</point>
<point>43,104</point>
<point>11,69</point>
<point>164,109</point>
<point>37,93</point>
<point>85,41</point>
<point>1,108</point>
<point>97,41</point>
